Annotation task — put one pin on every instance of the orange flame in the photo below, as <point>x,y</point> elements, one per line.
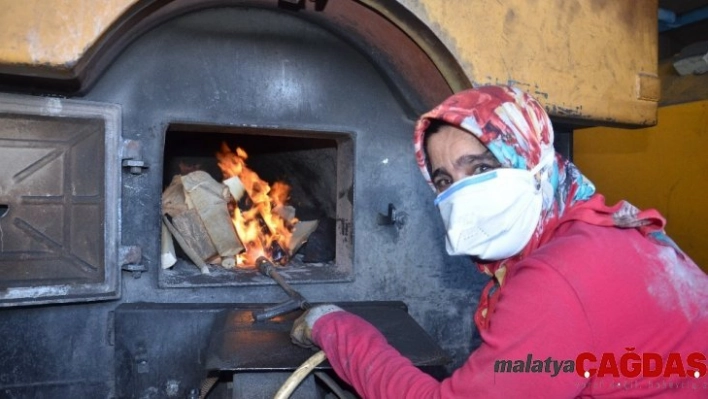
<point>258,227</point>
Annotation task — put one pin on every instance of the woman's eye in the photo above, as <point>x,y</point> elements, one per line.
<point>484,168</point>
<point>441,184</point>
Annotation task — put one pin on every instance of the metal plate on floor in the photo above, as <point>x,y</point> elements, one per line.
<point>238,343</point>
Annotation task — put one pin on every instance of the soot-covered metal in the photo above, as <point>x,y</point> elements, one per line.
<point>339,116</point>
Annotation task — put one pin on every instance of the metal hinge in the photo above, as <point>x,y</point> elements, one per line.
<point>129,258</point>
<point>131,157</point>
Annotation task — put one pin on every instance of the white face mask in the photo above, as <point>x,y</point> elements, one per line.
<point>492,215</point>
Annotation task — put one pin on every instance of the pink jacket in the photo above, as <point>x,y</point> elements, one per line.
<point>591,291</point>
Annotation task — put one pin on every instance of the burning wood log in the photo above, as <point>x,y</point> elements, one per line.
<point>209,199</point>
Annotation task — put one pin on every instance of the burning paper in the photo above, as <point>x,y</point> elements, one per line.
<point>233,222</point>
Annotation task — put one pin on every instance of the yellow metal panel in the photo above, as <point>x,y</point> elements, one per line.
<point>53,33</point>
<point>663,167</point>
<point>583,58</point>
<point>592,60</point>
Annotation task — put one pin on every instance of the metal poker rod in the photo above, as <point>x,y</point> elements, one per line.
<point>296,301</point>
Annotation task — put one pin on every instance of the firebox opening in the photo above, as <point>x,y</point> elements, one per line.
<point>316,166</point>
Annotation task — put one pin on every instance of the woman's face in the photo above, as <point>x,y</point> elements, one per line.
<point>455,154</point>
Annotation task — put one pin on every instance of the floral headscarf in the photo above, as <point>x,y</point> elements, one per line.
<point>518,132</point>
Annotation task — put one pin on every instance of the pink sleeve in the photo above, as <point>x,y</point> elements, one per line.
<point>538,326</point>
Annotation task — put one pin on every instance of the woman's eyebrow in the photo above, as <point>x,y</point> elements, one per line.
<point>437,172</point>
<point>470,158</point>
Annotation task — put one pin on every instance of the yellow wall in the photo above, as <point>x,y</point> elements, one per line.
<point>663,167</point>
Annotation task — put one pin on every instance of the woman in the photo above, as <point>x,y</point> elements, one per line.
<point>584,299</point>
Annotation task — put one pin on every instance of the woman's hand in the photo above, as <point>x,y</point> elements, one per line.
<point>301,333</point>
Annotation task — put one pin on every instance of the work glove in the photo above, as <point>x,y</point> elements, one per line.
<point>301,334</point>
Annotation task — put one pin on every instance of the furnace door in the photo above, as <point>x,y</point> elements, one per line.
<point>59,200</point>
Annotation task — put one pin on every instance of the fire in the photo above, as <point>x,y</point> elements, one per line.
<point>262,231</point>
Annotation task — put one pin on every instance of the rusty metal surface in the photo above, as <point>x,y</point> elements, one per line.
<point>53,185</point>
<point>239,343</point>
